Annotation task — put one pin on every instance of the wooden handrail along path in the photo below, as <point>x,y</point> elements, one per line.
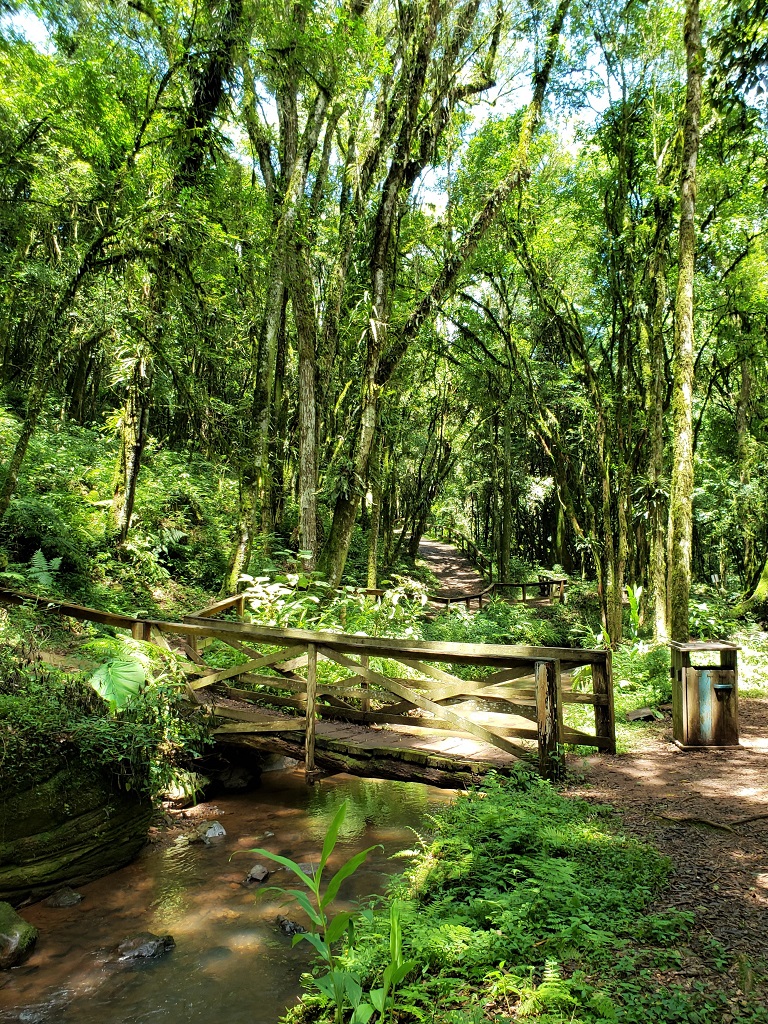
<point>546,590</point>
<point>515,693</point>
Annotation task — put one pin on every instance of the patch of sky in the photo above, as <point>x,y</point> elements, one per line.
<point>24,24</point>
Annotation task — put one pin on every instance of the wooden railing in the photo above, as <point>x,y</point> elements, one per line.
<point>372,680</point>
<point>544,590</point>
<point>468,547</point>
<point>331,675</point>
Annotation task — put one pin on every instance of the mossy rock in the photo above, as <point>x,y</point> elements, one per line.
<point>67,829</point>
<point>17,938</point>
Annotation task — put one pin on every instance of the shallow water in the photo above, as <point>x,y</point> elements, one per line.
<point>231,961</point>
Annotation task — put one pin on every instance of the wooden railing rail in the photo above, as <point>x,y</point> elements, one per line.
<point>520,690</point>
<point>524,683</point>
<point>548,589</point>
<point>211,610</point>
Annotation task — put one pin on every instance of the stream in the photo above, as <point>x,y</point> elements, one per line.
<point>231,961</point>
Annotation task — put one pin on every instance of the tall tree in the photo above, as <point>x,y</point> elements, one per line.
<point>681,490</point>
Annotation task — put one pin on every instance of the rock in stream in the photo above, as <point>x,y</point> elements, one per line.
<point>17,937</point>
<point>144,946</point>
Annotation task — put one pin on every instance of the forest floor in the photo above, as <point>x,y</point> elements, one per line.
<point>706,810</point>
<point>455,572</point>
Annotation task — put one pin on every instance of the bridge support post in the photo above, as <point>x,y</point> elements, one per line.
<point>365,703</point>
<point>141,631</point>
<point>549,715</point>
<point>602,685</point>
<point>309,746</point>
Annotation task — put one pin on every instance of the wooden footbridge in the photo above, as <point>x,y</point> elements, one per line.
<point>439,712</point>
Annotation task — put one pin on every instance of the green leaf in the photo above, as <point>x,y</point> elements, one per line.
<point>325,985</point>
<point>306,905</point>
<point>332,835</point>
<point>344,872</point>
<point>315,941</point>
<point>402,970</point>
<point>286,862</point>
<point>395,933</point>
<point>378,998</point>
<point>337,927</point>
<point>362,1014</point>
<point>353,988</point>
<point>117,681</point>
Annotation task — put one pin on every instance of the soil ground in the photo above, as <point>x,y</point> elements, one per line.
<point>456,574</point>
<point>708,811</point>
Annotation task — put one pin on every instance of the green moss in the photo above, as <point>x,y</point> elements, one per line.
<point>17,937</point>
<point>68,828</point>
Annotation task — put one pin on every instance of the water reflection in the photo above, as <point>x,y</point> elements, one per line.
<point>231,961</point>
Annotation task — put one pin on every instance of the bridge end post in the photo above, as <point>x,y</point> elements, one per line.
<point>602,685</point>
<point>549,715</point>
<point>309,745</point>
<point>141,631</point>
<point>365,703</point>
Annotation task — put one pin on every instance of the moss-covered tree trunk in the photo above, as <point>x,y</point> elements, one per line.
<point>658,514</point>
<point>374,476</point>
<point>306,329</point>
<point>681,491</point>
<point>134,432</point>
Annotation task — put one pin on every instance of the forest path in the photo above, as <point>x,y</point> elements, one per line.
<point>708,811</point>
<point>457,575</point>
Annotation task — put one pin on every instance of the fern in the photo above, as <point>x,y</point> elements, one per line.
<point>553,993</point>
<point>42,572</point>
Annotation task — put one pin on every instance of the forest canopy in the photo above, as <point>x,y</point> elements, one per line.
<point>487,263</point>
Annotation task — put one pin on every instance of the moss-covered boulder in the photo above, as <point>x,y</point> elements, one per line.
<point>66,829</point>
<point>17,937</point>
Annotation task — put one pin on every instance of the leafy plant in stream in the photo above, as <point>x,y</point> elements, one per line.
<point>339,985</point>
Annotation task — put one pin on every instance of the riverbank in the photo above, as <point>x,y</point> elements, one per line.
<point>530,904</point>
<point>231,960</point>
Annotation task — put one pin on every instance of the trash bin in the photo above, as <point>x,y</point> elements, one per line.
<point>705,700</point>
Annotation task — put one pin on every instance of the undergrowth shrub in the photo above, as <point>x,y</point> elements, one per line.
<point>59,525</point>
<point>524,903</point>
<point>294,598</point>
<point>47,716</point>
<point>500,622</point>
<point>641,672</point>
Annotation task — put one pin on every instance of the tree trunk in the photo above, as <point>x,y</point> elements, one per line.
<point>34,408</point>
<point>657,570</point>
<point>273,313</point>
<point>246,527</point>
<point>681,492</point>
<point>746,516</point>
<point>133,441</point>
<point>306,328</point>
<point>383,358</point>
<point>505,549</point>
<point>373,533</point>
<point>658,514</point>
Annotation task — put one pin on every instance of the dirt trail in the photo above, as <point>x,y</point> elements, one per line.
<point>457,576</point>
<point>708,811</point>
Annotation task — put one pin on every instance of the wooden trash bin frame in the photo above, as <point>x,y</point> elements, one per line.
<point>713,723</point>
